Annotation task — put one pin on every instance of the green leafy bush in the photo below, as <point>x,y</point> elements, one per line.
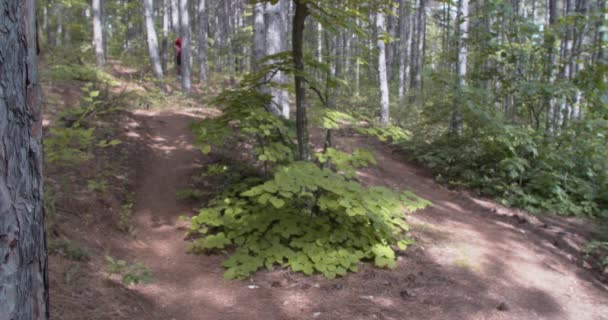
<point>310,217</point>
<point>523,168</point>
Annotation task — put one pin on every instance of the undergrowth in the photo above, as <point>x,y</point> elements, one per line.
<point>307,216</point>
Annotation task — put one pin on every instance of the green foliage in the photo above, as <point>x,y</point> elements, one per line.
<point>68,249</point>
<point>244,114</point>
<point>84,73</point>
<point>566,175</point>
<point>310,217</point>
<point>130,273</point>
<point>346,163</point>
<point>306,218</point>
<point>72,144</point>
<point>597,252</point>
<point>69,146</point>
<point>189,194</point>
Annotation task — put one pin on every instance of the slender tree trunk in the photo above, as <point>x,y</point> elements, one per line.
<point>165,40</point>
<point>59,28</point>
<point>202,40</point>
<point>23,266</point>
<point>463,29</point>
<point>549,75</point>
<point>259,36</point>
<point>404,46</point>
<point>299,20</point>
<point>175,16</point>
<point>100,57</point>
<point>152,40</point>
<point>276,42</point>
<point>382,73</point>
<point>185,32</point>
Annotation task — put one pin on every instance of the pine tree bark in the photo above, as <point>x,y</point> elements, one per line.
<point>382,73</point>
<point>152,40</point>
<point>186,51</point>
<point>23,266</point>
<point>100,57</point>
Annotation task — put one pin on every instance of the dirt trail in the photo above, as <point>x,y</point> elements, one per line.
<point>471,262</point>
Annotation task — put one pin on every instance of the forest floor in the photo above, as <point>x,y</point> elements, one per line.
<point>473,259</point>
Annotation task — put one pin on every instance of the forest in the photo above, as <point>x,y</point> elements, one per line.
<point>303,159</point>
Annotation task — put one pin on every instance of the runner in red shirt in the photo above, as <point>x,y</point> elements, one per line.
<point>178,54</point>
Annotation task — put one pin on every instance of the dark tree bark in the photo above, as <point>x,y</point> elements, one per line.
<point>23,262</point>
<point>299,19</point>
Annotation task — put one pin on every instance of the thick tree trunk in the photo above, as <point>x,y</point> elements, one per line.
<point>202,40</point>
<point>299,19</point>
<point>23,266</point>
<point>186,52</point>
<point>382,74</point>
<point>100,57</point>
<point>152,40</point>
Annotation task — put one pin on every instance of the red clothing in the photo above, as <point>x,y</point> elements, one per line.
<point>178,46</point>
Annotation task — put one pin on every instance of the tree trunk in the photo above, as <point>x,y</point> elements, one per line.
<point>165,40</point>
<point>59,27</point>
<point>404,46</point>
<point>299,19</point>
<point>276,42</point>
<point>23,266</point>
<point>462,33</point>
<point>100,57</point>
<point>259,36</point>
<point>202,40</point>
<point>185,32</point>
<point>153,40</point>
<point>382,74</point>
<point>175,16</point>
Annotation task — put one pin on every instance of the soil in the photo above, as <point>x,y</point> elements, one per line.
<point>473,259</point>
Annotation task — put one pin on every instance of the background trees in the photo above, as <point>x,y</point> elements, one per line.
<point>508,97</point>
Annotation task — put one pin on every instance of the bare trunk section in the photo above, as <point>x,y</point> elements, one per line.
<point>185,32</point>
<point>153,40</point>
<point>202,40</point>
<point>175,24</point>
<point>100,57</point>
<point>23,266</point>
<point>165,39</point>
<point>462,33</point>
<point>259,36</point>
<point>382,73</point>
<point>299,19</point>
<point>276,42</point>
<point>405,37</point>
